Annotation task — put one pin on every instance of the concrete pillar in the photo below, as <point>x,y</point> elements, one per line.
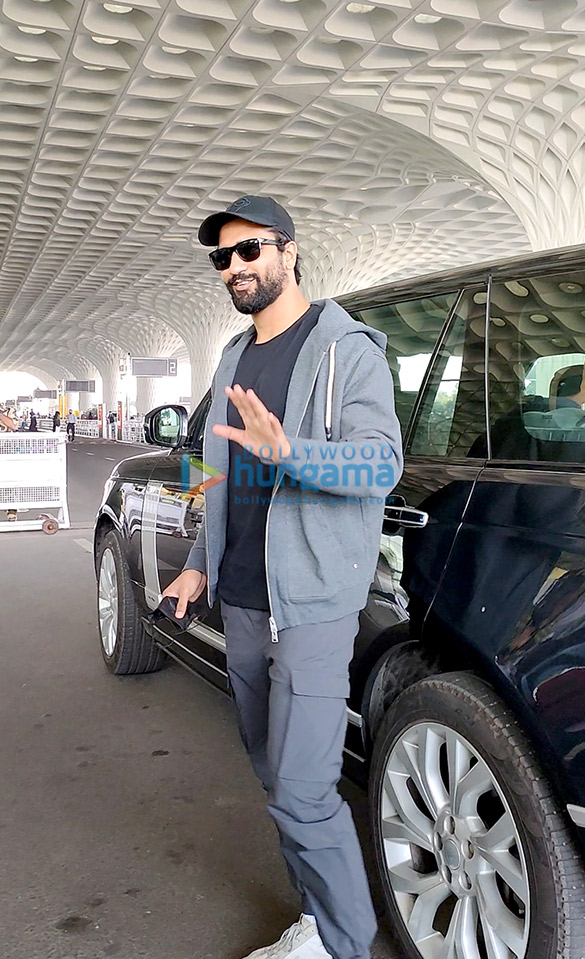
<point>85,402</point>
<point>71,402</point>
<point>146,392</point>
<point>110,374</point>
<point>204,353</point>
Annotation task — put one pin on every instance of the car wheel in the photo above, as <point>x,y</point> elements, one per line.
<point>126,646</point>
<point>474,856</point>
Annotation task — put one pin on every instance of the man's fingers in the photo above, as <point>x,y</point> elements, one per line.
<point>240,401</point>
<point>256,403</point>
<point>182,603</point>
<point>249,406</point>
<point>188,586</point>
<point>254,406</point>
<point>230,433</point>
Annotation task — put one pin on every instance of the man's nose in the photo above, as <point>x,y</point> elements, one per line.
<point>236,265</point>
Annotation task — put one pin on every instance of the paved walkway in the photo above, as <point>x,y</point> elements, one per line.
<point>130,824</point>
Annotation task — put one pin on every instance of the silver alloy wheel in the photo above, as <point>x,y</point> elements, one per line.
<point>108,602</point>
<point>453,854</point>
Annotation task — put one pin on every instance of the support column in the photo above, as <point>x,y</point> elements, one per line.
<point>85,402</point>
<point>110,374</point>
<point>146,391</point>
<point>204,354</point>
<point>71,402</point>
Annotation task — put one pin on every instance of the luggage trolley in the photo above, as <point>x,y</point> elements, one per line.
<point>33,480</point>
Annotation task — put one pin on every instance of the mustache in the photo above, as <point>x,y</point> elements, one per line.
<point>241,277</point>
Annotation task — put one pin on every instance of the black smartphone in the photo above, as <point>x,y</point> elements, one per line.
<point>167,608</point>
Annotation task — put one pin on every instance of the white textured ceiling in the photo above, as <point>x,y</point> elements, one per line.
<point>403,135</point>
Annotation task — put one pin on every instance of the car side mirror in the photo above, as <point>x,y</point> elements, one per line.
<point>166,426</point>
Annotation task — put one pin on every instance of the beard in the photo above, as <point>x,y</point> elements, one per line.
<point>262,294</point>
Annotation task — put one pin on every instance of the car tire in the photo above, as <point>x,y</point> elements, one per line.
<point>126,646</point>
<point>483,866</point>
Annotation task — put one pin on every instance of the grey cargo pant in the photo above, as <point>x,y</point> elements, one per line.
<point>291,704</point>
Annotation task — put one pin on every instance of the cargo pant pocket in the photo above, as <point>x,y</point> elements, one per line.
<point>309,745</point>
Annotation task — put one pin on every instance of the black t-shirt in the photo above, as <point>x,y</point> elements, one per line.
<point>265,368</point>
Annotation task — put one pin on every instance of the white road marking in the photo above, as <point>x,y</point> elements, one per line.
<point>87,453</point>
<point>85,544</point>
<point>110,458</point>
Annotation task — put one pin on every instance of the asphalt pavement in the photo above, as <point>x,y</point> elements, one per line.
<point>131,824</point>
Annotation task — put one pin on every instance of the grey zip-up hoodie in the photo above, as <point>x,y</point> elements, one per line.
<point>325,516</point>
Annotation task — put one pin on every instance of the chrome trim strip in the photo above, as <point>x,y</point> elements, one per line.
<point>486,372</point>
<point>577,814</point>
<point>205,662</point>
<point>354,718</point>
<point>353,755</point>
<point>152,591</point>
<point>207,635</point>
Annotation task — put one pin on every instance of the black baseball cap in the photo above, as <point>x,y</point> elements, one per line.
<point>262,210</point>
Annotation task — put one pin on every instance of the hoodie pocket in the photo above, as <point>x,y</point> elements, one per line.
<point>325,548</point>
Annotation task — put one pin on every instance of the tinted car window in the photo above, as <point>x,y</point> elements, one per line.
<point>412,328</point>
<point>451,418</point>
<point>197,423</point>
<point>536,373</point>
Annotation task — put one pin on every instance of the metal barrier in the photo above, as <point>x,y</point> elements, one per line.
<point>46,423</point>
<point>87,428</point>
<point>82,427</point>
<point>133,431</point>
<point>33,479</point>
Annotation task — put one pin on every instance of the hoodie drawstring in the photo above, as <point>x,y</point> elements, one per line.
<point>329,401</point>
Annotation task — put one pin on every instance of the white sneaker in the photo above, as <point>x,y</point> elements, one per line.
<point>301,941</point>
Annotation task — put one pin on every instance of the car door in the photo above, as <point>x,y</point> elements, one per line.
<point>514,589</point>
<point>436,349</point>
<point>175,502</point>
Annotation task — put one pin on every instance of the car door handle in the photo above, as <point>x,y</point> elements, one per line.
<point>406,516</point>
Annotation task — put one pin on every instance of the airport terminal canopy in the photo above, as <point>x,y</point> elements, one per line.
<point>404,136</point>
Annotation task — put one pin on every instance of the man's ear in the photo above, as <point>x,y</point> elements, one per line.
<point>290,254</point>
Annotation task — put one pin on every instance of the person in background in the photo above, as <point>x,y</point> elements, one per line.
<point>56,421</point>
<point>112,418</point>
<point>33,428</point>
<point>71,421</point>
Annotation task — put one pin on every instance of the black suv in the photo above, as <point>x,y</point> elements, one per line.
<point>467,707</point>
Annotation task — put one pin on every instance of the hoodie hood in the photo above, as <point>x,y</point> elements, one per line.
<point>335,323</point>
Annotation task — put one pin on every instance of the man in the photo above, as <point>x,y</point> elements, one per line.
<point>71,421</point>
<point>302,423</point>
<point>56,421</point>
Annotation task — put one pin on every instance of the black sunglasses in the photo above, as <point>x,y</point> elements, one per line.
<point>247,250</point>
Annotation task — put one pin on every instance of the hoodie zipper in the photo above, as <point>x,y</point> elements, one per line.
<point>271,620</point>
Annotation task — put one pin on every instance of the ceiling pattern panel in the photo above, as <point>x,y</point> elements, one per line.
<point>404,136</point>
